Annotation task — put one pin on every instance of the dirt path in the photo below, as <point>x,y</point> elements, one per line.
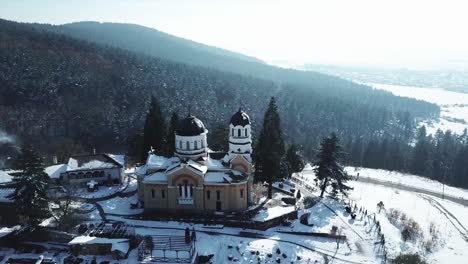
<point>453,220</point>
<point>399,186</point>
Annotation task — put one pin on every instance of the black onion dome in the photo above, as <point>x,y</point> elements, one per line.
<point>190,126</point>
<point>240,118</point>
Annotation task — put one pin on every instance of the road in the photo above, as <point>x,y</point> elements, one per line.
<point>398,186</point>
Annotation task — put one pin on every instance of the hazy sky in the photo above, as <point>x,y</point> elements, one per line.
<point>403,33</point>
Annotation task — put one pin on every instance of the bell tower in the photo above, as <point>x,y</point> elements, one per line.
<point>240,139</point>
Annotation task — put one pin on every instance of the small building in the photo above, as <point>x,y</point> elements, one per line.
<point>82,169</point>
<point>196,179</point>
<point>88,245</point>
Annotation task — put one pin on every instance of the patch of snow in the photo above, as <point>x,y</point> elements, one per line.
<point>214,164</point>
<point>55,171</point>
<point>217,177</point>
<point>118,244</point>
<point>121,206</point>
<point>155,161</point>
<point>117,158</point>
<point>156,177</point>
<point>5,177</point>
<point>93,164</point>
<point>408,180</point>
<point>7,230</point>
<point>273,212</point>
<point>199,167</point>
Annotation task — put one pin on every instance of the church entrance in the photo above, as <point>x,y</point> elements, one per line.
<point>218,205</point>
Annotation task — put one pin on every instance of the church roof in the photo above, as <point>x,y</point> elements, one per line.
<point>190,126</point>
<point>240,118</point>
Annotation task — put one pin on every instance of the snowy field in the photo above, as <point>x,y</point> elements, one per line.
<point>449,247</point>
<point>443,236</point>
<point>454,106</point>
<point>408,180</point>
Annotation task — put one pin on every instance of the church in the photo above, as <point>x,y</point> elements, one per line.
<point>197,179</point>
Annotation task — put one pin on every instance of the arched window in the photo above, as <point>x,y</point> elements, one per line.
<point>186,189</point>
<point>180,190</point>
<point>245,132</point>
<point>195,145</point>
<point>238,132</point>
<point>202,143</point>
<point>187,145</point>
<point>180,144</point>
<point>232,132</point>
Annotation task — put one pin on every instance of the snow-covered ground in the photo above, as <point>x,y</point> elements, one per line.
<point>408,180</point>
<point>121,206</point>
<point>103,191</point>
<point>453,105</point>
<point>447,220</point>
<point>450,247</point>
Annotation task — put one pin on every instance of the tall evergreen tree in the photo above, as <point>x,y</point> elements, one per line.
<point>357,152</point>
<point>219,138</point>
<point>328,169</point>
<point>135,148</point>
<point>154,133</point>
<point>31,184</point>
<point>170,135</point>
<point>294,159</point>
<point>420,160</point>
<point>395,156</point>
<point>270,150</point>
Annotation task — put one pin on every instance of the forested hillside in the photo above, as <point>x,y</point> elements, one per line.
<point>62,93</point>
<point>149,41</point>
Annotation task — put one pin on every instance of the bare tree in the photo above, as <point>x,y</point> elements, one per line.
<point>64,207</point>
<point>259,191</point>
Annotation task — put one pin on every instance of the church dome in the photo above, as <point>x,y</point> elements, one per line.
<point>240,119</point>
<point>190,126</point>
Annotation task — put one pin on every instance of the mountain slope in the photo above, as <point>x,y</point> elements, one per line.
<point>162,45</point>
<point>56,88</point>
<point>150,41</point>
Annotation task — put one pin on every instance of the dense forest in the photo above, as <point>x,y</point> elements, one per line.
<point>67,95</point>
<point>442,157</point>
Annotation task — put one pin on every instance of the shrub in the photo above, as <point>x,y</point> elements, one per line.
<point>410,229</point>
<point>408,259</point>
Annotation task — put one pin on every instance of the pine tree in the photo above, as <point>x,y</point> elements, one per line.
<point>420,160</point>
<point>219,138</point>
<point>135,148</point>
<point>170,135</point>
<point>154,131</point>
<point>31,184</point>
<point>269,150</point>
<point>294,159</point>
<point>328,169</point>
